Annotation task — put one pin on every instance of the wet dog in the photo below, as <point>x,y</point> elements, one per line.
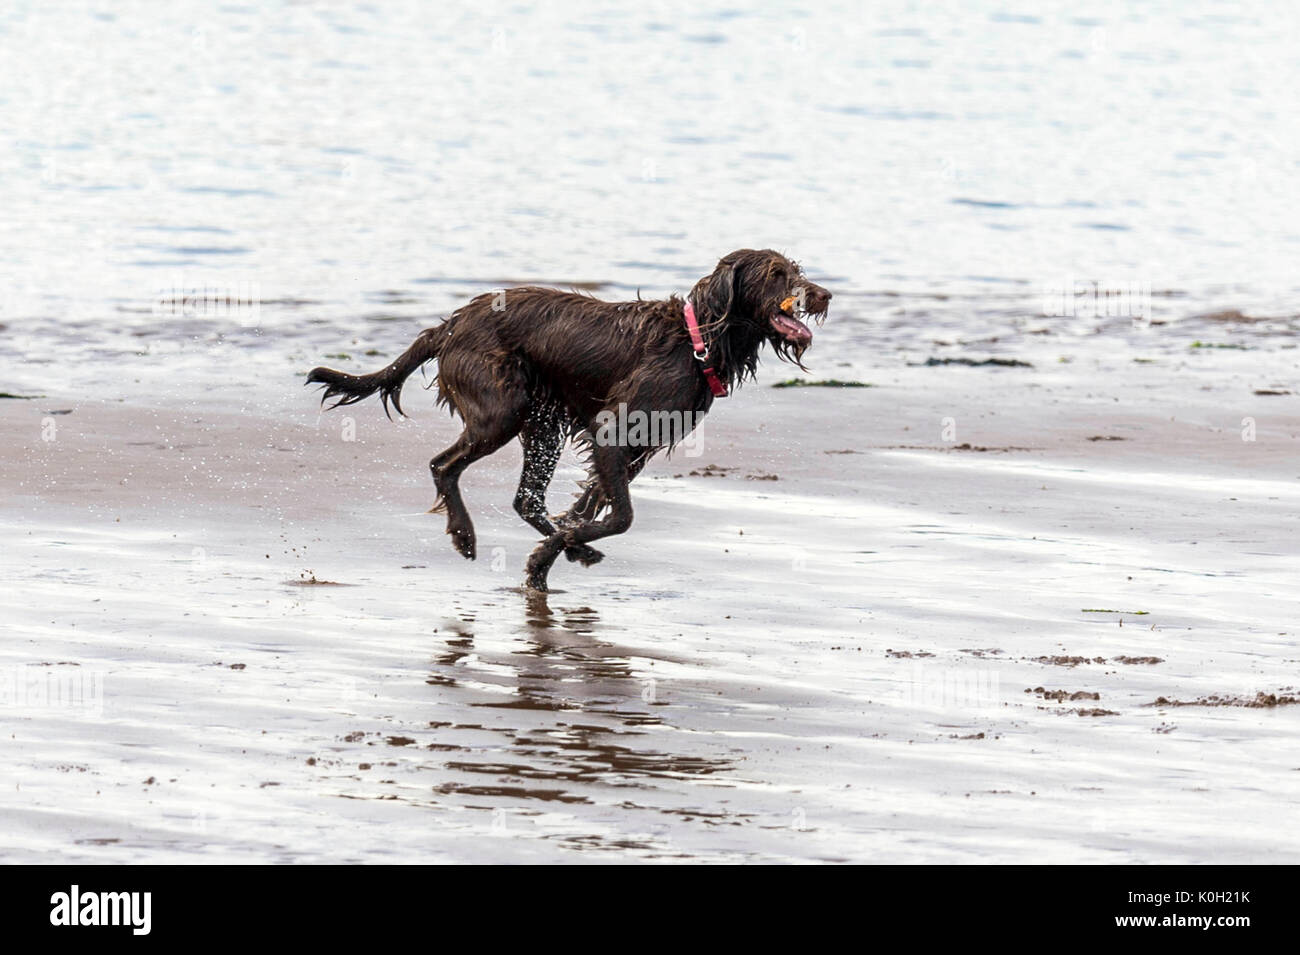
<point>548,366</point>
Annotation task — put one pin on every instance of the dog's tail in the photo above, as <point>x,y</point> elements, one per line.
<point>349,389</point>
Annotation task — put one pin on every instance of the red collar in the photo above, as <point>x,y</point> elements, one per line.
<point>716,384</point>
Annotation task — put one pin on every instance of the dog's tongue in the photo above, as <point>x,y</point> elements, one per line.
<point>791,329</point>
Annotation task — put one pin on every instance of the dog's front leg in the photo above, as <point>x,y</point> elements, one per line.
<point>611,464</point>
<point>591,499</point>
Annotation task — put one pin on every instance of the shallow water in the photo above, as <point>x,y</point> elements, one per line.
<point>303,181</point>
<point>387,158</point>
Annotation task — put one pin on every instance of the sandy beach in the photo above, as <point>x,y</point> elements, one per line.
<point>1060,631</point>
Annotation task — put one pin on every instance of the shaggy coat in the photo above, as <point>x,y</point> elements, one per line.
<point>542,365</point>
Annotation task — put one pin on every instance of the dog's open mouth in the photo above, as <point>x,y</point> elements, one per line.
<point>789,327</point>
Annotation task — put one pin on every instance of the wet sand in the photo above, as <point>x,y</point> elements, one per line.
<point>234,635</point>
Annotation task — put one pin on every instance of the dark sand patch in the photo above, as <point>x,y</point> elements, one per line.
<point>1067,661</point>
<point>1060,696</point>
<point>1074,661</point>
<point>964,446</point>
<point>1260,700</point>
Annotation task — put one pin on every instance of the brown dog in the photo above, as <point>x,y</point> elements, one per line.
<point>549,366</point>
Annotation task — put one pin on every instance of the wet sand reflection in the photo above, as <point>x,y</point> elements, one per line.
<point>563,721</point>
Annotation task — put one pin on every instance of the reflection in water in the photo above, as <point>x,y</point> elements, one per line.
<point>546,630</point>
<point>531,748</point>
<point>459,646</point>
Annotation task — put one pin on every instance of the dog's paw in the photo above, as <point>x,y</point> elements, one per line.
<point>463,541</point>
<point>540,561</point>
<point>584,554</point>
<point>536,572</point>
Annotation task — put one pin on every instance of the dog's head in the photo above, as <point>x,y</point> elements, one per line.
<point>763,295</point>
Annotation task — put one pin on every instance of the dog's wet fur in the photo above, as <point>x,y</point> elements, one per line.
<point>541,365</point>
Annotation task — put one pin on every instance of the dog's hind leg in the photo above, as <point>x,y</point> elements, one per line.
<point>610,463</point>
<point>543,440</point>
<point>447,468</point>
<point>482,436</point>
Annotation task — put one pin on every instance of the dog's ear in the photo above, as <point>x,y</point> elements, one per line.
<point>719,292</point>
